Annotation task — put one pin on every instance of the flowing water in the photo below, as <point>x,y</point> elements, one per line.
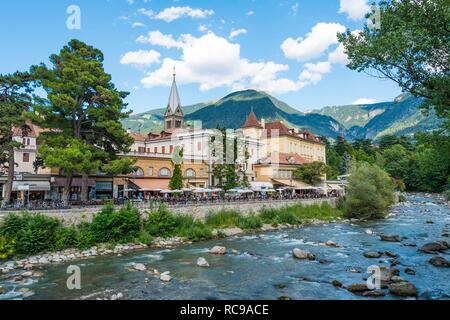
<point>263,266</point>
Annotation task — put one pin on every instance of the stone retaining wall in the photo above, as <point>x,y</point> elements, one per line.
<point>75,216</point>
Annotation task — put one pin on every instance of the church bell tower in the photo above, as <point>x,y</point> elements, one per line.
<point>174,116</point>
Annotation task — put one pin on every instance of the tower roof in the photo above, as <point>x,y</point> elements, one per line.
<point>252,121</point>
<point>174,98</point>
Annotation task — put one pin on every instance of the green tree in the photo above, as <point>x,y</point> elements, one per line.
<point>82,104</point>
<point>311,173</point>
<point>412,48</point>
<point>176,181</point>
<point>369,192</point>
<point>397,160</point>
<point>15,102</point>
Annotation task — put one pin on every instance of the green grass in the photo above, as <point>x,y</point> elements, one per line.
<point>29,234</point>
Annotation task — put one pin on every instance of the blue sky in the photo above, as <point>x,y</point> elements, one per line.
<point>285,47</point>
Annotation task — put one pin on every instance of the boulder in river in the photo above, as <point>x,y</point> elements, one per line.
<point>374,293</point>
<point>397,279</point>
<point>372,254</point>
<point>434,247</point>
<point>302,254</point>
<point>391,254</point>
<point>330,243</point>
<point>357,287</point>
<point>410,271</point>
<point>438,261</point>
<point>201,262</point>
<point>390,237</point>
<point>218,250</point>
<point>336,283</point>
<point>139,267</point>
<point>2,290</point>
<point>403,289</point>
<point>165,278</point>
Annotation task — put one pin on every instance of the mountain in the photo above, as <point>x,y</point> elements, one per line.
<point>153,120</point>
<point>400,117</point>
<point>232,111</point>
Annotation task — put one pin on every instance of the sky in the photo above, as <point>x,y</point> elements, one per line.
<point>287,48</point>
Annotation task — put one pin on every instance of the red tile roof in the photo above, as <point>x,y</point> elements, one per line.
<point>252,121</point>
<point>284,158</point>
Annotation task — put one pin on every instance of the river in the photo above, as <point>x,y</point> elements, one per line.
<point>262,267</point>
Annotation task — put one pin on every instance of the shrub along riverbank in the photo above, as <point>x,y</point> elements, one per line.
<point>27,234</point>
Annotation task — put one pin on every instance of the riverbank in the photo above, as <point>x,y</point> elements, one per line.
<point>262,265</point>
<point>170,230</point>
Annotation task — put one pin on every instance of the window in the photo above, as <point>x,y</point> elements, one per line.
<point>163,150</point>
<point>169,124</point>
<point>202,172</point>
<point>199,146</point>
<point>177,124</point>
<point>156,149</point>
<point>28,142</point>
<point>150,171</point>
<point>171,149</point>
<point>26,157</point>
<point>190,173</point>
<point>138,172</point>
<point>164,172</point>
<point>24,141</point>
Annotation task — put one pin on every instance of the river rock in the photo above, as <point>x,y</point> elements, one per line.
<point>374,293</point>
<point>165,278</point>
<point>403,289</point>
<point>43,260</point>
<point>336,283</point>
<point>438,261</point>
<point>139,267</point>
<point>228,232</point>
<point>27,274</point>
<point>218,250</point>
<point>28,266</point>
<point>391,254</point>
<point>434,247</point>
<point>390,237</point>
<point>357,287</point>
<point>23,290</point>
<point>38,274</point>
<point>330,243</point>
<point>2,290</point>
<point>372,254</point>
<point>410,271</point>
<point>201,262</point>
<point>302,254</point>
<point>397,279</point>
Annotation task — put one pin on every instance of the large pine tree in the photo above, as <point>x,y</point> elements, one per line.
<point>84,107</point>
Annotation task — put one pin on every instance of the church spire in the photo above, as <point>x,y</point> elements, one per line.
<point>174,98</point>
<point>174,116</point>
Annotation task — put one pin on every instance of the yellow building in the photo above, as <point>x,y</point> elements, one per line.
<point>283,149</point>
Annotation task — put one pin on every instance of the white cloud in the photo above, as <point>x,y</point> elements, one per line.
<point>212,62</point>
<point>362,101</point>
<point>338,56</point>
<point>157,38</point>
<point>203,28</point>
<point>250,13</point>
<point>145,12</point>
<point>313,72</point>
<point>235,33</point>
<point>355,9</point>
<point>174,13</point>
<point>315,43</point>
<point>141,58</point>
<point>137,25</point>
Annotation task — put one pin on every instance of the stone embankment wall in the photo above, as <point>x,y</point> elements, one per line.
<point>199,211</point>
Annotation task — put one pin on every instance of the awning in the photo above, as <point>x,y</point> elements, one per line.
<point>31,186</point>
<point>76,182</point>
<point>151,184</point>
<point>296,184</point>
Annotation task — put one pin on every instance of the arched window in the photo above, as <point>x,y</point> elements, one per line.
<point>190,173</point>
<point>164,172</point>
<point>138,172</point>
